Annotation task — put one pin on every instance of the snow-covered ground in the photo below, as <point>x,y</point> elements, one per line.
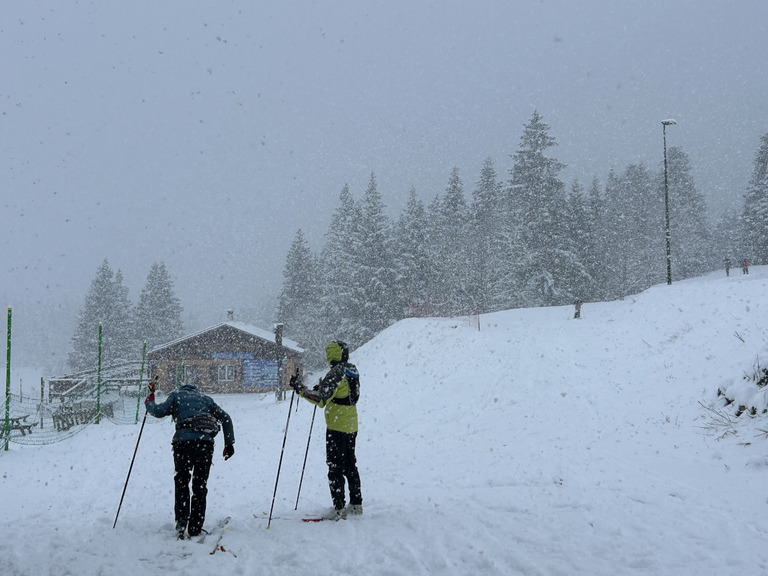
<point>538,445</point>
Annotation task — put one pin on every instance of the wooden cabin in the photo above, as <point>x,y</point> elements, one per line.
<point>232,357</point>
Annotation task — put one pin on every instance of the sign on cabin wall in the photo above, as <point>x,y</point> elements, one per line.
<point>257,373</point>
<point>260,373</point>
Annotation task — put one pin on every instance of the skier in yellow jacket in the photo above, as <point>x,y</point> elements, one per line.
<point>338,393</point>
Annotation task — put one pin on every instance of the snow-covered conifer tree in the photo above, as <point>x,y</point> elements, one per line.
<point>106,303</point>
<point>634,232</point>
<point>755,214</point>
<point>410,258</point>
<point>579,236</point>
<point>338,263</point>
<point>159,311</point>
<point>300,307</point>
<point>691,241</point>
<point>485,221</point>
<point>539,202</point>
<point>453,262</point>
<point>373,276</point>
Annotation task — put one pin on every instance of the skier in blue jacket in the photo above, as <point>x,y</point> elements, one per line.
<point>197,419</point>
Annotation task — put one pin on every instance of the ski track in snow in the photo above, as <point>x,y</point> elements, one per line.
<point>538,445</point>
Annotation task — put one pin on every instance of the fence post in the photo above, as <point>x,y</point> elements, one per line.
<point>42,399</point>
<point>179,379</point>
<point>7,426</point>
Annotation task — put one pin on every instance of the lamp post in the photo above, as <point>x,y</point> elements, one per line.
<point>664,124</point>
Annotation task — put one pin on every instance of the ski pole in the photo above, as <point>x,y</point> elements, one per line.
<point>309,439</point>
<point>141,375</point>
<point>136,449</point>
<point>129,470</point>
<point>279,465</point>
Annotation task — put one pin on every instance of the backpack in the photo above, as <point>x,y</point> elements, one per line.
<point>353,380</point>
<point>204,422</point>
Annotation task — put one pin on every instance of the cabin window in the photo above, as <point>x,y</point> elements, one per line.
<point>226,373</point>
<point>187,375</point>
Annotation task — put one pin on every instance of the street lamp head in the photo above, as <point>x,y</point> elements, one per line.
<point>668,122</point>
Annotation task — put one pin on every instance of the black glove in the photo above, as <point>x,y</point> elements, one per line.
<point>296,383</point>
<point>229,451</point>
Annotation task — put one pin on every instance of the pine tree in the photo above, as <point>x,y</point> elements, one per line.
<point>107,304</point>
<point>580,233</point>
<point>437,292</point>
<point>538,199</point>
<point>691,242</point>
<point>596,243</point>
<point>159,311</point>
<point>120,341</point>
<point>411,259</point>
<point>646,207</point>
<point>453,255</point>
<point>338,269</point>
<point>506,266</point>
<point>298,289</point>
<point>485,221</point>
<point>373,277</point>
<point>507,262</point>
<point>616,243</point>
<point>633,231</point>
<point>300,304</point>
<point>755,214</point>
<point>727,239</point>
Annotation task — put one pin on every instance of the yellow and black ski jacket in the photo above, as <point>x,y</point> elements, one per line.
<point>337,393</point>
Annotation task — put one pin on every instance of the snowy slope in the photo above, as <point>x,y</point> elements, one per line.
<point>538,445</point>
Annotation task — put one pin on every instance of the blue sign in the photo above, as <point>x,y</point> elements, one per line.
<point>260,373</point>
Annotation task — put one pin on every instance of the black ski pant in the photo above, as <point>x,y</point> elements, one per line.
<point>192,460</point>
<point>342,464</point>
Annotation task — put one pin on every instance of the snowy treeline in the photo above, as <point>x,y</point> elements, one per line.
<point>156,318</point>
<point>521,241</point>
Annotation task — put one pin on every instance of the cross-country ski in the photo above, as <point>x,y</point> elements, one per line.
<point>217,531</point>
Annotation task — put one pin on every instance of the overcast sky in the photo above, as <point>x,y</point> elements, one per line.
<point>204,134</point>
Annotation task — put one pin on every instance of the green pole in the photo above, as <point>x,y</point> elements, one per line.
<point>141,374</point>
<point>98,383</point>
<point>178,372</point>
<point>7,426</point>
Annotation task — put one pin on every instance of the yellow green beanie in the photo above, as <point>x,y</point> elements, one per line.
<point>333,352</point>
